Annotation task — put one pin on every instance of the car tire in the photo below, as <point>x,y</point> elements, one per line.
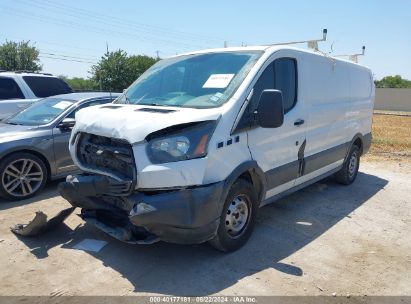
<point>349,170</point>
<point>22,175</point>
<point>238,217</point>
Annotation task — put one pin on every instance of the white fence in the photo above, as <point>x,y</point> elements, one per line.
<point>393,99</point>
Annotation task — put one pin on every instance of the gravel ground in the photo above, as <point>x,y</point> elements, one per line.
<point>322,240</point>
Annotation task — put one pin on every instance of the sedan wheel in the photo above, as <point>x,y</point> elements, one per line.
<point>22,175</point>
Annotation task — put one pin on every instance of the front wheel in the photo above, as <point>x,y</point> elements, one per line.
<point>238,217</point>
<point>22,175</point>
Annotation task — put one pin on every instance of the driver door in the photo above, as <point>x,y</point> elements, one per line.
<point>277,150</point>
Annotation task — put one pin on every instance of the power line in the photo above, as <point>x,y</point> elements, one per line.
<point>136,25</point>
<point>51,43</point>
<point>95,29</point>
<point>65,59</point>
<point>64,56</point>
<point>89,28</point>
<point>78,55</point>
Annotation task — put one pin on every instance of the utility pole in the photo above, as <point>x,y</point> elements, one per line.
<point>225,44</point>
<point>100,83</point>
<point>157,54</point>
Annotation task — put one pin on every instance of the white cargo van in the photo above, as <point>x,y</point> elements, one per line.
<point>200,141</point>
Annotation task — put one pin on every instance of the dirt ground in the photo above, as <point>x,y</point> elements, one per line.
<point>391,138</point>
<point>322,240</point>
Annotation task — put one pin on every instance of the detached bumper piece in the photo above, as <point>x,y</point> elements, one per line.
<point>40,224</point>
<point>185,216</point>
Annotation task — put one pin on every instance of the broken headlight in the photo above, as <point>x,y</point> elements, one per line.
<point>180,142</point>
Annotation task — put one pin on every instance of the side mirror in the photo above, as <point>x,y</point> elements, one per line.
<point>67,123</point>
<point>270,110</point>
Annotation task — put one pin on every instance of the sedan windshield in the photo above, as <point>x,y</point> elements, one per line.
<point>41,112</point>
<point>196,81</point>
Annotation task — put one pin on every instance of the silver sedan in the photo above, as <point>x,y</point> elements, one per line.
<point>34,143</point>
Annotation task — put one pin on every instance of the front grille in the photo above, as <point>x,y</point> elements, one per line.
<point>111,155</point>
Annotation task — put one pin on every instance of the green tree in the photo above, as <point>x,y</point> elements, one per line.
<point>139,64</point>
<point>81,84</point>
<point>19,56</point>
<point>116,70</point>
<point>112,72</point>
<point>393,82</point>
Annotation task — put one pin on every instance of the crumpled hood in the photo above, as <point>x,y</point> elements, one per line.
<point>134,122</point>
<point>9,132</point>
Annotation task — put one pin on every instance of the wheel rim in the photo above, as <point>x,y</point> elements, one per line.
<point>22,177</point>
<point>352,165</point>
<point>237,217</point>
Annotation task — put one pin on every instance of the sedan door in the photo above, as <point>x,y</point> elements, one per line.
<point>61,136</point>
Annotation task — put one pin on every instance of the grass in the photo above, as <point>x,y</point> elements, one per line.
<point>391,138</point>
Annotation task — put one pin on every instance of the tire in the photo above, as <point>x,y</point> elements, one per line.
<point>238,217</point>
<point>349,170</point>
<point>22,175</point>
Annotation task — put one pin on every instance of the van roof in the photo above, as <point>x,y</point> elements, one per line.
<point>267,48</point>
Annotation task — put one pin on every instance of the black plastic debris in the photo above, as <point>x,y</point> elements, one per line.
<point>40,224</point>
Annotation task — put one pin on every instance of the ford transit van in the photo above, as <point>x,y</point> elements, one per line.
<point>196,145</point>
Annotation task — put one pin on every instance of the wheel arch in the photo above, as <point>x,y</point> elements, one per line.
<point>35,153</point>
<point>358,141</point>
<point>251,172</point>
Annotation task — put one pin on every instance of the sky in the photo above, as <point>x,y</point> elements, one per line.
<point>73,35</point>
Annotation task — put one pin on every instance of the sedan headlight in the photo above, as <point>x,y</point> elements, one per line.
<point>187,143</point>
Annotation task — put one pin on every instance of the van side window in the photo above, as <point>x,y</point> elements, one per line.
<point>265,82</point>
<point>279,75</point>
<point>286,81</point>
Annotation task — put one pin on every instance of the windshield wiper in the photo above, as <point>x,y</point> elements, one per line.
<point>153,104</point>
<point>128,101</point>
<point>12,123</point>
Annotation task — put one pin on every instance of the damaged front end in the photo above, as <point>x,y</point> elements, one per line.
<point>109,200</point>
<point>97,196</point>
<point>102,198</point>
<point>184,216</point>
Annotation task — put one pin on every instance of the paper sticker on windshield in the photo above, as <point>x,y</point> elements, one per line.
<point>218,81</point>
<point>62,105</point>
<point>216,97</point>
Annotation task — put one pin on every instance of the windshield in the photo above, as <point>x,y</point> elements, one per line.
<point>196,81</point>
<point>41,112</point>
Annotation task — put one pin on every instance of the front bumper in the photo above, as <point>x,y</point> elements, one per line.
<point>187,216</point>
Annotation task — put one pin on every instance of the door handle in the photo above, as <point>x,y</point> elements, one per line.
<point>298,122</point>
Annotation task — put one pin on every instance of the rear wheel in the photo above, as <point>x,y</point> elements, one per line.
<point>22,175</point>
<point>349,170</point>
<point>238,217</point>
